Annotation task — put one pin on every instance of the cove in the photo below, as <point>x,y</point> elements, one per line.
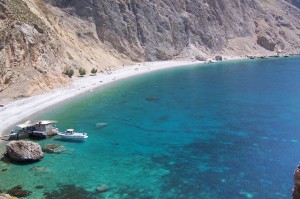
<point>224,130</point>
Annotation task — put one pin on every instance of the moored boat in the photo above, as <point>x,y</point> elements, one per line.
<point>69,134</point>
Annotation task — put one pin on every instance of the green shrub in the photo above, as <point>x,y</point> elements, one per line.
<point>69,72</point>
<point>82,72</point>
<point>94,71</point>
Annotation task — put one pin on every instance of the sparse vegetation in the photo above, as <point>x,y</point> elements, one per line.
<point>69,72</point>
<point>22,13</point>
<point>94,71</point>
<point>82,72</point>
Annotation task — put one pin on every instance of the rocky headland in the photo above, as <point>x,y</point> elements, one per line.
<point>39,39</point>
<point>296,190</point>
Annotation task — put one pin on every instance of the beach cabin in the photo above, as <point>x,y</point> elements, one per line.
<point>46,126</point>
<point>36,129</point>
<point>22,131</point>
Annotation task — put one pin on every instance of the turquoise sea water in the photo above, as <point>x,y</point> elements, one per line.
<point>225,130</point>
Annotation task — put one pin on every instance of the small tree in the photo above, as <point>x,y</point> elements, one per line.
<point>94,71</point>
<point>69,72</point>
<point>82,72</point>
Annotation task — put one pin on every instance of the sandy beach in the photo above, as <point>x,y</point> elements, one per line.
<point>19,110</point>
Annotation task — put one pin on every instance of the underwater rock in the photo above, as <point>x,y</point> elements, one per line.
<point>53,148</point>
<point>37,168</point>
<point>102,188</point>
<point>6,196</point>
<point>297,175</point>
<point>39,187</point>
<point>5,167</point>
<point>296,190</point>
<point>152,99</point>
<point>101,125</point>
<point>24,151</point>
<point>69,191</point>
<point>17,191</point>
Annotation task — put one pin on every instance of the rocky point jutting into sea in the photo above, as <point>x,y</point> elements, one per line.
<point>40,39</point>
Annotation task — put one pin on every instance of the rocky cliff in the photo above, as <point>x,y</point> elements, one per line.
<point>58,34</point>
<point>28,53</point>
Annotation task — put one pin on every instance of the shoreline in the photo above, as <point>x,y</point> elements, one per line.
<point>18,110</point>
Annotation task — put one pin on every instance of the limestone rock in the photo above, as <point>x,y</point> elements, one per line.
<point>18,192</point>
<point>53,148</point>
<point>218,58</point>
<point>102,188</point>
<point>296,190</point>
<point>151,30</point>
<point>297,175</point>
<point>37,168</point>
<point>101,125</point>
<point>22,151</point>
<point>266,42</point>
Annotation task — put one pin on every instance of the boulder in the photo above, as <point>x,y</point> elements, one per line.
<point>101,125</point>
<point>37,168</point>
<point>296,190</point>
<point>102,188</point>
<point>18,192</point>
<point>53,148</point>
<point>218,58</point>
<point>266,42</point>
<point>152,99</point>
<point>297,175</point>
<point>24,151</point>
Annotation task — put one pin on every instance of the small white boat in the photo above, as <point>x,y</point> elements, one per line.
<point>69,134</point>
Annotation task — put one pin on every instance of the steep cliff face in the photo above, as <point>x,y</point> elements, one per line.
<point>38,42</point>
<point>164,29</point>
<point>41,38</point>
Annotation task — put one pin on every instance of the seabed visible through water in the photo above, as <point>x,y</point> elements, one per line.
<point>224,130</point>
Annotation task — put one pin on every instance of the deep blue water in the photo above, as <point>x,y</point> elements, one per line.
<point>225,130</point>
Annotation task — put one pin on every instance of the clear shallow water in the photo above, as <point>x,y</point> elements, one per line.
<point>226,130</point>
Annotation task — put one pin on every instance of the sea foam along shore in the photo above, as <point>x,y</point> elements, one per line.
<point>19,110</point>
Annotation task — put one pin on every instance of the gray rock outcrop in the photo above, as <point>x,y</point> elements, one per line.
<point>53,148</point>
<point>160,30</point>
<point>24,151</point>
<point>102,188</point>
<point>266,42</point>
<point>296,190</point>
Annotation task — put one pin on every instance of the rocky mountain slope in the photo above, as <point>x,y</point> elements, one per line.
<point>40,39</point>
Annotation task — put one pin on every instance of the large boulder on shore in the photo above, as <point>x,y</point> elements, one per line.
<point>24,151</point>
